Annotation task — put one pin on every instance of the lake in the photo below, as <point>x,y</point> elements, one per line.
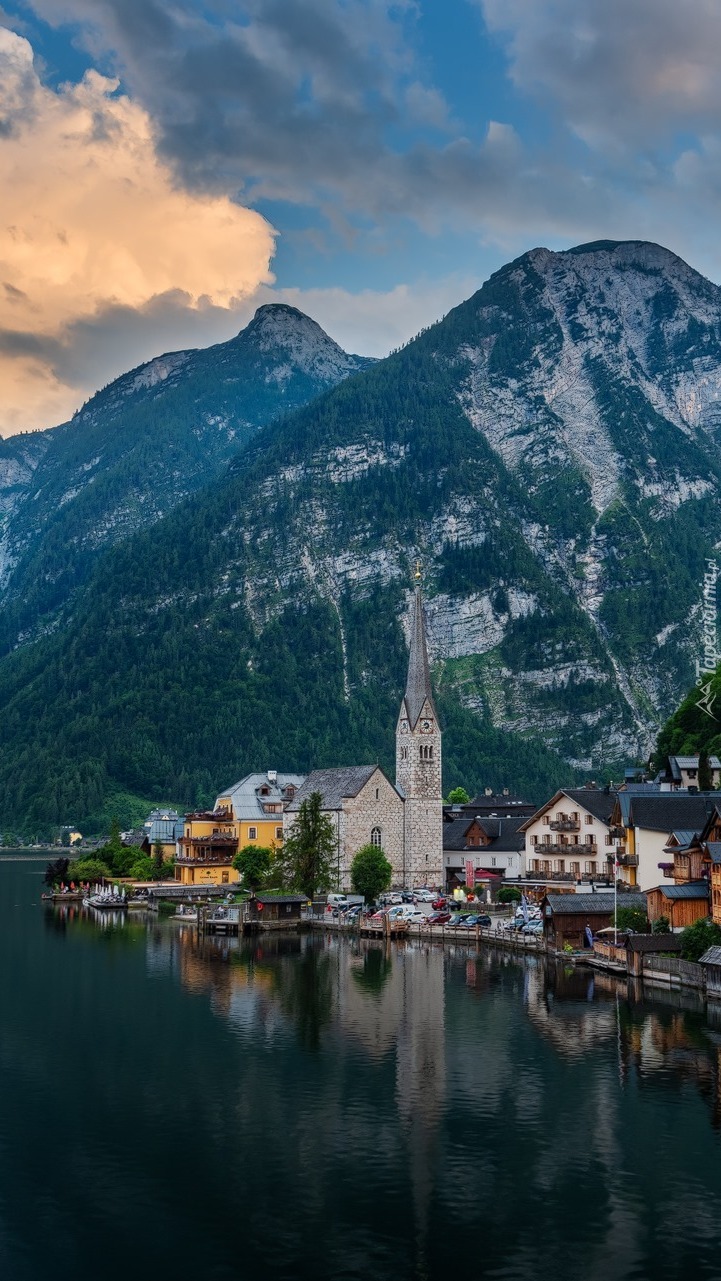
<point>317,1108</point>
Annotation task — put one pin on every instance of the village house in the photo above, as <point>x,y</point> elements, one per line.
<point>566,917</point>
<point>248,813</point>
<point>643,820</point>
<point>681,904</point>
<point>681,772</point>
<point>275,911</point>
<point>495,843</point>
<point>569,838</point>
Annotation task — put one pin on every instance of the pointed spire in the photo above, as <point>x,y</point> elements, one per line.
<point>418,685</point>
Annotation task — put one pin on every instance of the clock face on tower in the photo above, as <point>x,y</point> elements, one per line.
<point>404,727</point>
<point>426,726</point>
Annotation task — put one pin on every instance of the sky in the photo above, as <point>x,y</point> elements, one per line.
<point>167,166</point>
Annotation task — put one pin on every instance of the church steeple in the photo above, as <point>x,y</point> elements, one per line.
<point>418,685</point>
<point>418,762</point>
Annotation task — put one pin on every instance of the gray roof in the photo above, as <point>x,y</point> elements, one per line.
<point>597,801</point>
<point>712,956</point>
<point>418,685</point>
<point>666,811</point>
<point>245,799</point>
<point>503,834</point>
<point>267,899</point>
<point>714,851</point>
<point>592,904</point>
<point>334,785</point>
<point>684,835</point>
<point>687,889</point>
<point>691,762</point>
<point>653,942</point>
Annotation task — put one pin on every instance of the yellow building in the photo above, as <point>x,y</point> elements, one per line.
<point>249,813</point>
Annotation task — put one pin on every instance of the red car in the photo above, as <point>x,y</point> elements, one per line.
<point>439,918</point>
<point>439,903</point>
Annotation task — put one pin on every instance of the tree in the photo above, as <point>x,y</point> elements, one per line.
<point>158,855</point>
<point>632,918</point>
<point>459,796</point>
<point>705,778</point>
<point>310,849</point>
<point>57,871</point>
<point>253,862</point>
<point>661,925</point>
<point>509,894</point>
<point>696,938</point>
<point>370,872</point>
<point>88,869</point>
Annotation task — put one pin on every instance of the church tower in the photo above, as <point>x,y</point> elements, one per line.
<point>418,764</point>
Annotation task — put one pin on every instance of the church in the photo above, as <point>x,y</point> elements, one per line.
<point>406,820</point>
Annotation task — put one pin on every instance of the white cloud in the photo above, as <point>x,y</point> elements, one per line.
<point>92,221</point>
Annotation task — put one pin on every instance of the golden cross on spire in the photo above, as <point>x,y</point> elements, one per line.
<point>418,574</point>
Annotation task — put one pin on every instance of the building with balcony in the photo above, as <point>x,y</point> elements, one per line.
<point>681,772</point>
<point>648,820</point>
<point>248,813</point>
<point>569,838</point>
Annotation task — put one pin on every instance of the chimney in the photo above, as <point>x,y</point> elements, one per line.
<point>488,791</point>
<point>505,791</point>
<point>272,776</point>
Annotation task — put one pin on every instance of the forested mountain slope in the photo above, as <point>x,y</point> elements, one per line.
<point>549,450</point>
<point>138,447</point>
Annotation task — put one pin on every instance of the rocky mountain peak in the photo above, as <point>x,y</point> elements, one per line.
<point>284,333</point>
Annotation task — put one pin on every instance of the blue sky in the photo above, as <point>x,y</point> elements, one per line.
<point>170,164</point>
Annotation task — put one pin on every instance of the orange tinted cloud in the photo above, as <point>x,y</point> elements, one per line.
<point>92,219</point>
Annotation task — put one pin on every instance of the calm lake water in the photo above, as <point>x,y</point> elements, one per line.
<point>305,1108</point>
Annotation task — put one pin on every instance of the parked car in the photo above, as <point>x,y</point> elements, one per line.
<point>533,927</point>
<point>423,896</point>
<point>439,904</point>
<point>407,896</point>
<point>439,918</point>
<point>415,918</point>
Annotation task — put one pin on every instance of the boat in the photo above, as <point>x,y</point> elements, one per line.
<point>107,898</point>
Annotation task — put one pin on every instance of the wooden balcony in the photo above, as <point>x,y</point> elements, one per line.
<point>628,860</point>
<point>565,825</point>
<point>566,849</point>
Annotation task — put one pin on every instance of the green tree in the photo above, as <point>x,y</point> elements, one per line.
<point>310,849</point>
<point>696,938</point>
<point>705,778</point>
<point>158,855</point>
<point>370,872</point>
<point>633,918</point>
<point>459,796</point>
<point>661,925</point>
<point>88,869</point>
<point>509,894</point>
<point>253,862</point>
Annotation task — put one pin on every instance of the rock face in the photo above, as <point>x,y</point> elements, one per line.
<point>140,446</point>
<point>550,451</point>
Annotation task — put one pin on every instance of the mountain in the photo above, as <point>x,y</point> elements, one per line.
<point>550,451</point>
<point>138,447</point>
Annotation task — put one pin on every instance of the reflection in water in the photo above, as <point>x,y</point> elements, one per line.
<point>394,1111</point>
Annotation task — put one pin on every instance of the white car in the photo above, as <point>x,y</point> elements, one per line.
<point>423,896</point>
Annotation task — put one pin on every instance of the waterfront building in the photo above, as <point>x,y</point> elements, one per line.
<point>569,838</point>
<point>496,845</point>
<point>248,813</point>
<point>681,904</point>
<point>163,827</point>
<point>644,818</point>
<point>566,916</point>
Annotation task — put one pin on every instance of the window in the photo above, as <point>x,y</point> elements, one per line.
<point>588,820</point>
<point>547,819</point>
<point>493,862</point>
<point>376,837</point>
<point>224,878</point>
<point>279,833</point>
<point>559,865</point>
<point>609,840</point>
<point>590,867</point>
<point>378,792</point>
<point>252,833</point>
<point>534,840</point>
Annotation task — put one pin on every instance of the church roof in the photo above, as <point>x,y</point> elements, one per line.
<point>418,685</point>
<point>334,785</point>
